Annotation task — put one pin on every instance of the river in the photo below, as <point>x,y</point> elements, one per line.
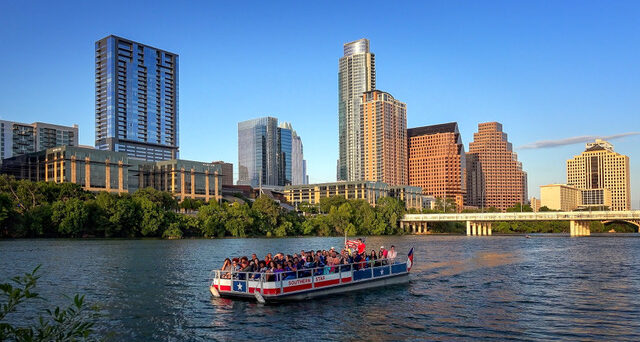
<point>462,288</point>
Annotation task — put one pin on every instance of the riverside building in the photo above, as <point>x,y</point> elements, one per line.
<point>136,99</point>
<point>437,161</point>
<point>494,175</point>
<point>116,172</point>
<point>364,190</point>
<point>600,167</point>
<point>17,138</point>
<point>384,134</point>
<point>356,75</point>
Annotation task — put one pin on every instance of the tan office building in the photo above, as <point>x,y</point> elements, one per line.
<point>559,197</point>
<point>437,161</point>
<point>599,167</point>
<point>494,175</point>
<point>384,135</point>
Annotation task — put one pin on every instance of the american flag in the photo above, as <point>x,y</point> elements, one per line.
<point>352,244</point>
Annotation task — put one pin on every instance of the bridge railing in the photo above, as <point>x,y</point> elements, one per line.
<point>528,216</point>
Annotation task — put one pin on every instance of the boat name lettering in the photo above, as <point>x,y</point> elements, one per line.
<point>319,278</point>
<point>299,282</point>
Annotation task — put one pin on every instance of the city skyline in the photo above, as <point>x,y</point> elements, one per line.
<point>574,100</point>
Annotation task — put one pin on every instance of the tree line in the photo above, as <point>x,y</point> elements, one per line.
<point>46,209</point>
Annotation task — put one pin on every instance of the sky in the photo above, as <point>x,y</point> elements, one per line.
<point>552,72</point>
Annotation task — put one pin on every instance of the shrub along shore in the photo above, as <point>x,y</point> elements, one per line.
<point>45,209</point>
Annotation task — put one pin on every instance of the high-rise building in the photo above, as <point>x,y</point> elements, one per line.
<point>269,154</point>
<point>258,152</point>
<point>136,99</point>
<point>437,161</point>
<point>298,163</point>
<point>356,75</point>
<point>285,151</point>
<point>18,138</point>
<point>384,138</point>
<point>494,175</point>
<point>226,176</point>
<point>600,167</point>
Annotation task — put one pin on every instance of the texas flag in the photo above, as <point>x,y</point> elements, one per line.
<point>410,260</point>
<point>239,286</point>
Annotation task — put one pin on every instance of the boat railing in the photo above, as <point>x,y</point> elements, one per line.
<point>304,273</point>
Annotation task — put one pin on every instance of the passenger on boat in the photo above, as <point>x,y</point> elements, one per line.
<point>262,268</point>
<point>361,246</point>
<point>226,268</point>
<point>290,271</point>
<point>372,259</point>
<point>391,256</point>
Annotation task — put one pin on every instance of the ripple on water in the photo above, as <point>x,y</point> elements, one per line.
<point>461,289</point>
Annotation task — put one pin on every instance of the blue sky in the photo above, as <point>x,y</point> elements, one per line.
<point>548,70</point>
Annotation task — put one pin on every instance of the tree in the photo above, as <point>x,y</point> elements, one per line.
<point>6,211</point>
<point>391,210</point>
<point>153,217</point>
<point>307,208</point>
<point>340,218</point>
<point>267,213</point>
<point>240,220</point>
<point>72,323</point>
<point>212,219</point>
<point>70,216</point>
<point>327,202</point>
<point>162,198</point>
<point>445,205</point>
<point>518,207</point>
<point>126,216</point>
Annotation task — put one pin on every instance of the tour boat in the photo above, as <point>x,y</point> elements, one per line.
<point>309,283</point>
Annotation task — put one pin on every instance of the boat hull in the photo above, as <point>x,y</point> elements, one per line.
<point>312,286</point>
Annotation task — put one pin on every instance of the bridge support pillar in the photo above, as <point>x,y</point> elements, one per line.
<point>579,228</point>
<point>489,228</point>
<point>468,228</point>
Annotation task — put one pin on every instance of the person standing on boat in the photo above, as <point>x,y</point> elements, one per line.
<point>392,254</point>
<point>361,247</point>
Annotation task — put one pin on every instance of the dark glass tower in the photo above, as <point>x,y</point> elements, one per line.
<point>136,99</point>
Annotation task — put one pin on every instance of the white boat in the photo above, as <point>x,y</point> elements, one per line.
<point>309,283</point>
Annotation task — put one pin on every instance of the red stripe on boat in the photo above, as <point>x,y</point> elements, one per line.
<point>224,287</point>
<point>346,280</point>
<point>296,288</point>
<point>327,282</point>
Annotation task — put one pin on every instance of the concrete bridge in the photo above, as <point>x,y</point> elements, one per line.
<point>480,223</point>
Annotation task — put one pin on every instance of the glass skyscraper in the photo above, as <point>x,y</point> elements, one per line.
<point>257,152</point>
<point>356,75</point>
<point>269,153</point>
<point>136,99</point>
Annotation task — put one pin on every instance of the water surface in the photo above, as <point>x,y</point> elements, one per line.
<point>462,288</point>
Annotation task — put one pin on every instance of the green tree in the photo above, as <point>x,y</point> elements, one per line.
<point>6,211</point>
<point>153,217</point>
<point>340,218</point>
<point>126,216</point>
<point>518,207</point>
<point>267,213</point>
<point>240,220</point>
<point>162,198</point>
<point>307,208</point>
<point>70,216</point>
<point>326,203</point>
<point>212,219</point>
<point>390,210</point>
<point>72,323</point>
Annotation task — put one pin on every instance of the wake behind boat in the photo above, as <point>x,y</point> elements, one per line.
<point>306,283</point>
